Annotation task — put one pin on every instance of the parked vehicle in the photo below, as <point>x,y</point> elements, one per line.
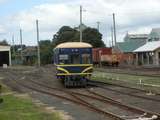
<point>104,56</point>
<point>73,61</point>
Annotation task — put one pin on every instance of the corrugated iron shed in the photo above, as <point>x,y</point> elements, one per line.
<point>5,55</point>
<point>30,51</point>
<point>149,47</point>
<point>4,48</point>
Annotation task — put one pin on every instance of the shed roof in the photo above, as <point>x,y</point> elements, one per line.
<point>74,45</point>
<point>149,47</point>
<point>130,46</point>
<point>4,48</point>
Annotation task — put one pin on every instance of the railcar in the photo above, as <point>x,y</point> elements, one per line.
<point>73,61</point>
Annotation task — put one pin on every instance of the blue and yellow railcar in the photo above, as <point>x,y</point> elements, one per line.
<point>73,61</point>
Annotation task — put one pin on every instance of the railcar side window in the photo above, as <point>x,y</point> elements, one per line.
<point>63,59</point>
<point>85,58</point>
<point>75,59</point>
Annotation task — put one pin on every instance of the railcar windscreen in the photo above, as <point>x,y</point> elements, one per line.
<point>86,59</point>
<point>75,58</point>
<point>63,59</point>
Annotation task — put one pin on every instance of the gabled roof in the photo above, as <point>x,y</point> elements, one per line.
<point>149,47</point>
<point>130,46</point>
<point>4,48</point>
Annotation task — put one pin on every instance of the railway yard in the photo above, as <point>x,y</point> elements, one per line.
<point>80,60</point>
<point>104,98</point>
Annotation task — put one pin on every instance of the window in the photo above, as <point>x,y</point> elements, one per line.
<point>75,59</point>
<point>85,58</point>
<point>63,59</point>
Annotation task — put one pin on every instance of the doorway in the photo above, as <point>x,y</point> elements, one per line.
<point>4,58</point>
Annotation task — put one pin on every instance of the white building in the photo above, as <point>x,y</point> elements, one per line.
<point>148,54</point>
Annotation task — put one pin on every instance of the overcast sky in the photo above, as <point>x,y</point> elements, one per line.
<point>134,16</point>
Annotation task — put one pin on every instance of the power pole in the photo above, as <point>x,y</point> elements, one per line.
<point>38,48</point>
<point>13,44</point>
<point>112,44</point>
<point>98,23</point>
<point>21,44</point>
<point>114,29</point>
<point>80,27</point>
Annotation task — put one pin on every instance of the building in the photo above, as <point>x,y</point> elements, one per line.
<point>29,55</point>
<point>148,54</point>
<point>131,43</point>
<point>5,55</point>
<point>154,35</point>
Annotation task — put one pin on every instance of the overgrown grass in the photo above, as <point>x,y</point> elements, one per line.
<point>16,108</point>
<point>103,76</point>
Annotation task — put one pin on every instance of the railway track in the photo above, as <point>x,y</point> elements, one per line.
<point>74,99</point>
<point>103,86</point>
<point>98,97</point>
<point>80,99</point>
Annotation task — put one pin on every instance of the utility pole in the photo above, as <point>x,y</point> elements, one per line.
<point>21,44</point>
<point>114,29</point>
<point>38,48</point>
<point>112,44</point>
<point>98,23</point>
<point>13,45</point>
<point>80,27</point>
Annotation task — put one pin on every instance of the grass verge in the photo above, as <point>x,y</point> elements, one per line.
<point>18,108</point>
<point>129,80</point>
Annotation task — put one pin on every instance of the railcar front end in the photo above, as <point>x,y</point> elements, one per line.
<point>73,62</point>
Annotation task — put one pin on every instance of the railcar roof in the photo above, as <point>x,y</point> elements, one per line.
<point>74,45</point>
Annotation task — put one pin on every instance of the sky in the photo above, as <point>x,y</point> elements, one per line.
<point>132,16</point>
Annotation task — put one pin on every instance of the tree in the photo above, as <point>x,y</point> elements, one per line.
<point>92,36</point>
<point>46,51</point>
<point>68,34</point>
<point>64,34</point>
<point>4,42</point>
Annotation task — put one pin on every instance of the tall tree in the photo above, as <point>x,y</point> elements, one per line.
<point>68,34</point>
<point>64,34</point>
<point>92,36</point>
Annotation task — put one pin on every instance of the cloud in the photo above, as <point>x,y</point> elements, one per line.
<point>133,16</point>
<point>49,15</point>
<point>2,30</point>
